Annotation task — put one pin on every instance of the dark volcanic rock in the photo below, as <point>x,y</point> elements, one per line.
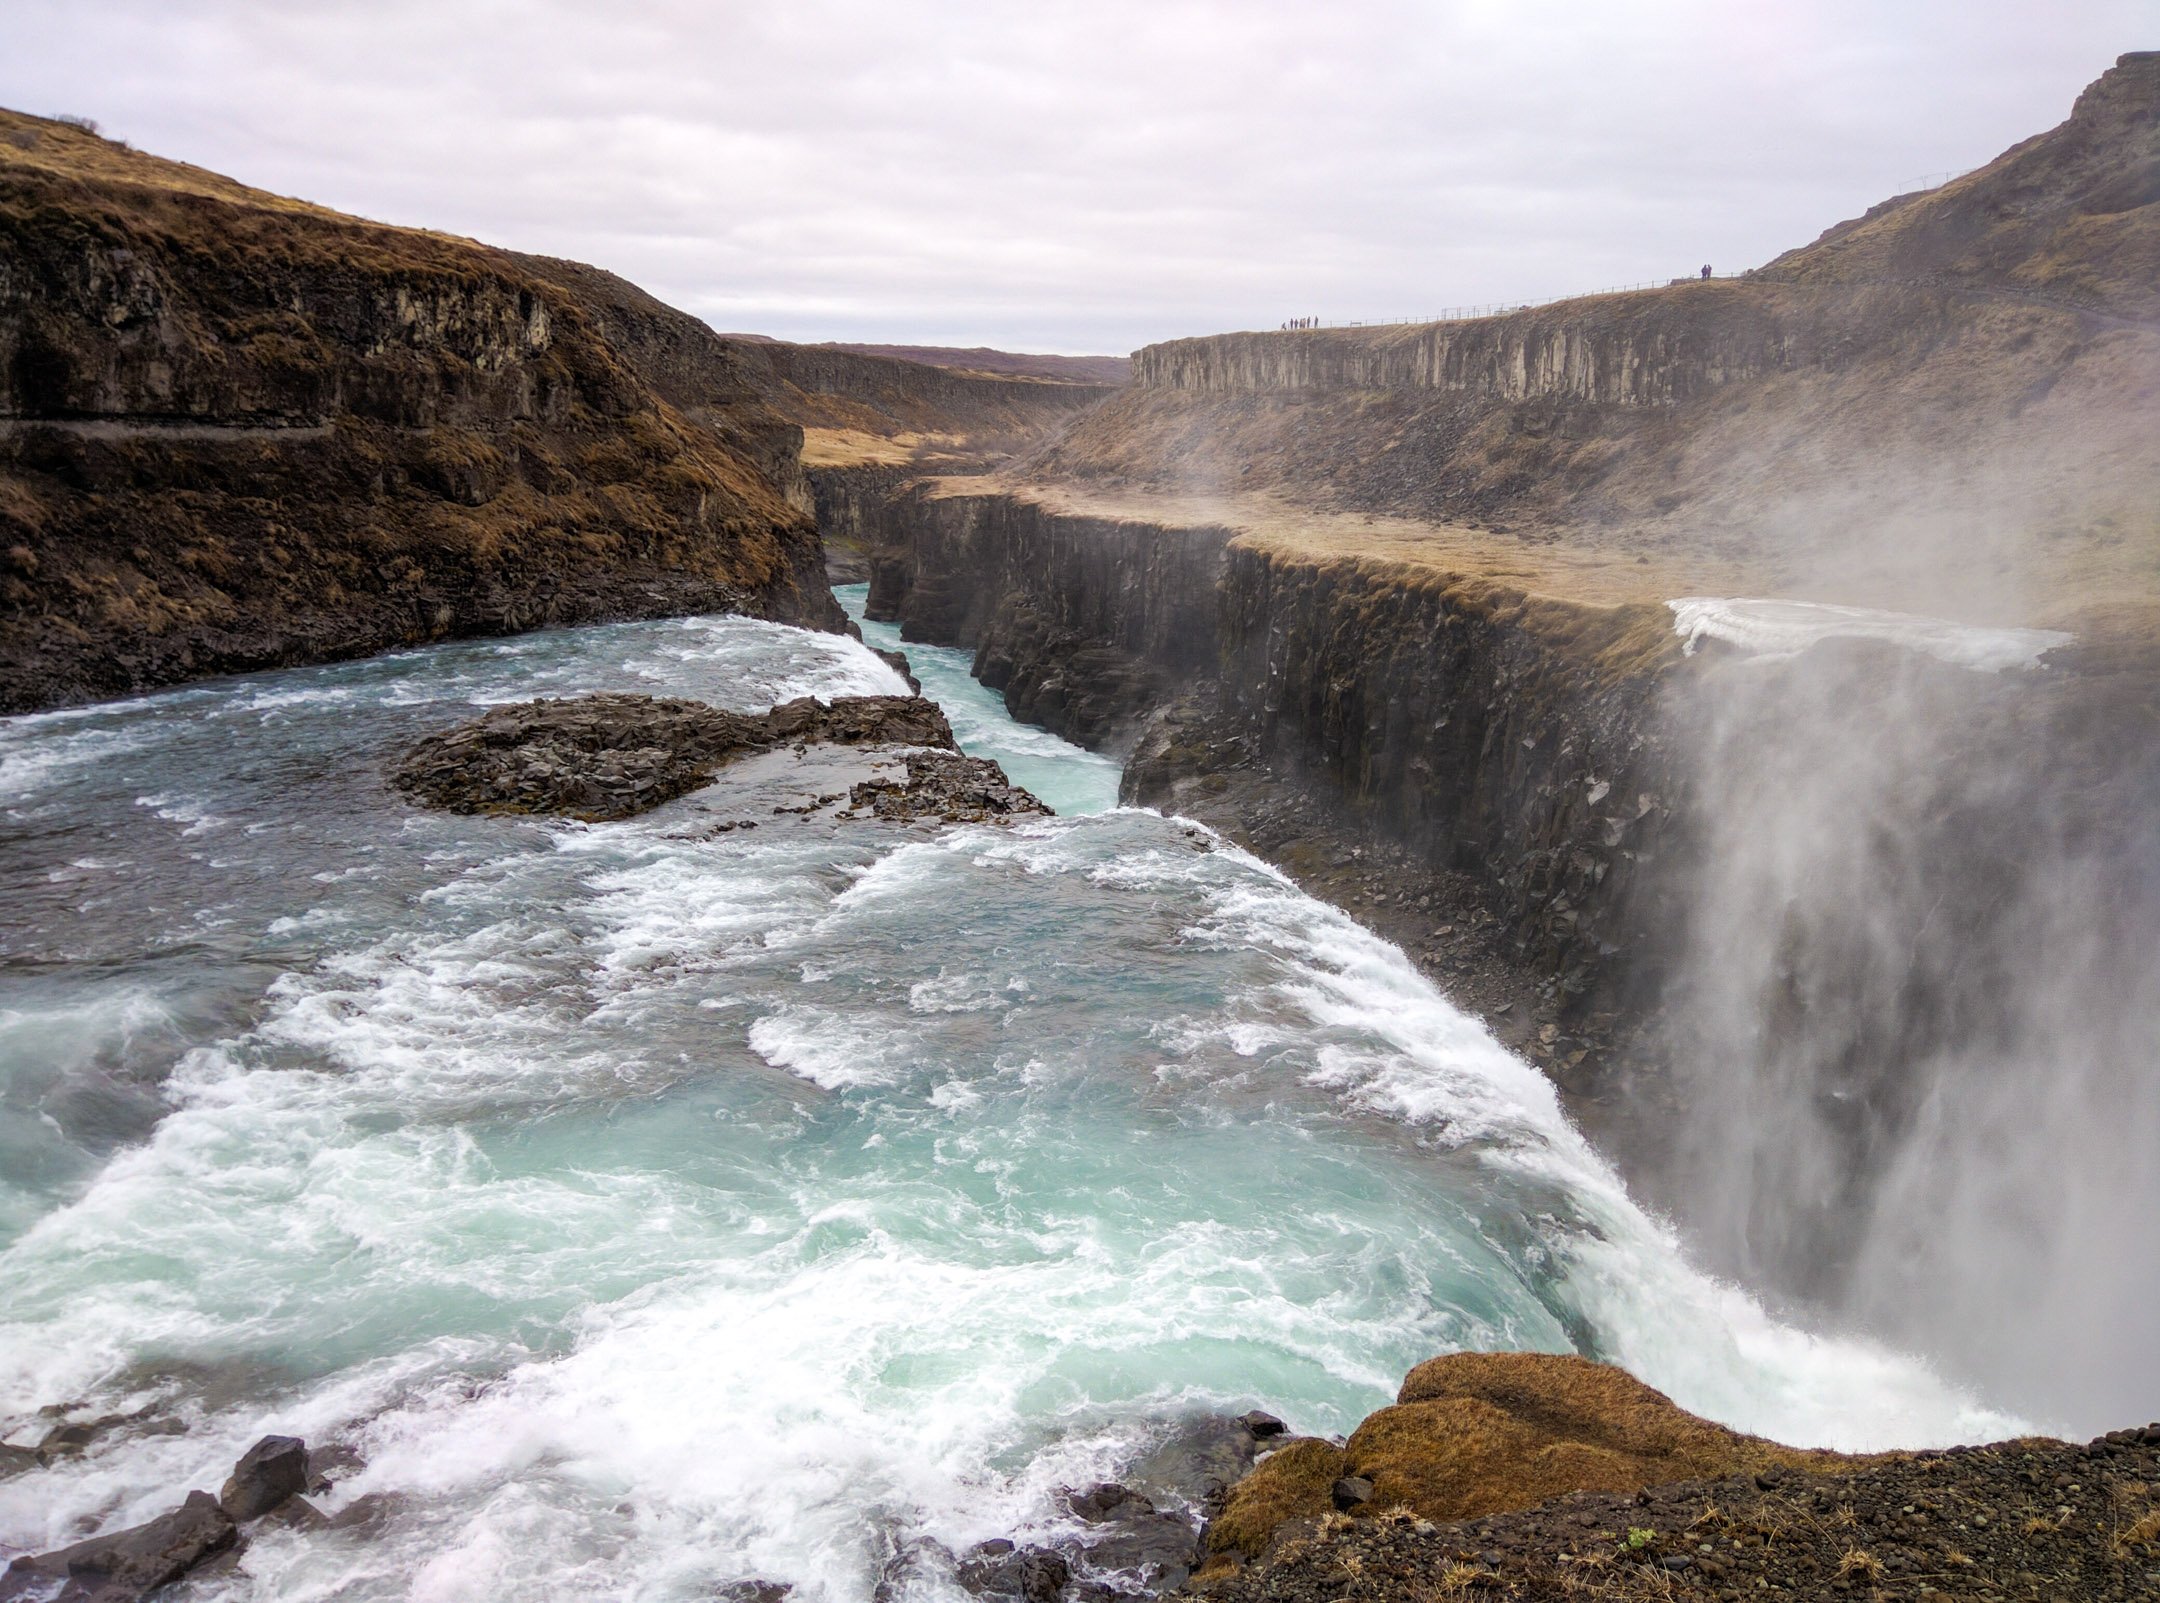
<point>998,1569</point>
<point>129,1564</point>
<point>609,756</point>
<point>897,661</point>
<point>1351,1492</point>
<point>274,1469</point>
<point>946,786</point>
<point>239,433</point>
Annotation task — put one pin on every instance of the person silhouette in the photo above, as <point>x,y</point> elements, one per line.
<point>1706,270</point>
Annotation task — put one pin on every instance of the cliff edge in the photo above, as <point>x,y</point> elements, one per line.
<point>239,431</point>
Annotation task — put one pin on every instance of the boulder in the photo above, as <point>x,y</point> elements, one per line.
<point>274,1469</point>
<point>998,1569</point>
<point>1351,1492</point>
<point>946,786</point>
<point>1482,1433</point>
<point>612,756</point>
<point>125,1565</point>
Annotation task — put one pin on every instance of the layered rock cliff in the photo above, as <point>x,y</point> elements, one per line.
<point>238,431</point>
<point>1970,368</point>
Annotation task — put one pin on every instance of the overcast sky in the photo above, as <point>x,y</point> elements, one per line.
<point>1081,176</point>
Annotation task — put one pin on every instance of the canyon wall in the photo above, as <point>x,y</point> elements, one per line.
<point>1083,622</point>
<point>1839,954</point>
<point>238,431</point>
<point>1616,350</point>
<point>1482,728</point>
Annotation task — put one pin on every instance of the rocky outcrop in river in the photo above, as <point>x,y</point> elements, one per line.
<point>613,756</point>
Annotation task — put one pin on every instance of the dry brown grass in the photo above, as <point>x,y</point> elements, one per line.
<point>865,447</point>
<point>2143,1532</point>
<point>1292,1483</point>
<point>64,150</point>
<point>1858,1561</point>
<point>1477,1433</point>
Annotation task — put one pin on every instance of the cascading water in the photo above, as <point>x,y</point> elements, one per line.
<point>648,1209</point>
<point>1913,1024</point>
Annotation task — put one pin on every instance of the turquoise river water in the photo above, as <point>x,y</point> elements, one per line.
<point>646,1209</point>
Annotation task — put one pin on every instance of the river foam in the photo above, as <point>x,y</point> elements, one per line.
<point>651,1210</point>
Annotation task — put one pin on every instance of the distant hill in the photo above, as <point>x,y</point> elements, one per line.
<point>1013,364</point>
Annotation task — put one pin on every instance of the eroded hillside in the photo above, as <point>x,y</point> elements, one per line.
<point>238,431</point>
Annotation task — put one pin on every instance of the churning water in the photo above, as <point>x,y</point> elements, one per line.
<point>651,1208</point>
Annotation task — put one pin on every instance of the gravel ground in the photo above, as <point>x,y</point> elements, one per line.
<point>2027,1520</point>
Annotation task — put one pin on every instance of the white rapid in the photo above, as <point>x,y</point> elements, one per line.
<point>646,1210</point>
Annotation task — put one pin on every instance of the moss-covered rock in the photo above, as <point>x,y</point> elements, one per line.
<point>1483,1433</point>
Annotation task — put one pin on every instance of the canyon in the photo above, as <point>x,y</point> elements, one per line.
<point>239,431</point>
<point>1393,607</point>
<point>1741,698</point>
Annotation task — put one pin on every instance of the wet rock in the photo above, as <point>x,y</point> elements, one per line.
<point>612,756</point>
<point>125,1565</point>
<point>297,1514</point>
<point>754,1591</point>
<point>1351,1492</point>
<point>1262,1425</point>
<point>898,663</point>
<point>365,1515</point>
<point>1201,1458</point>
<point>64,1441</point>
<point>998,1569</point>
<point>1154,1551</point>
<point>70,1438</point>
<point>948,787</point>
<point>1131,1542</point>
<point>328,1464</point>
<point>274,1469</point>
<point>1105,1500</point>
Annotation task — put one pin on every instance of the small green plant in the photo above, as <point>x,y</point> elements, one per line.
<point>1638,1538</point>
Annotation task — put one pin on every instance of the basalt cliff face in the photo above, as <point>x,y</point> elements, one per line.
<point>1389,605</point>
<point>238,431</point>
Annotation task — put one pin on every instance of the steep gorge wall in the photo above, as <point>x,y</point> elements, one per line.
<point>1850,949</point>
<point>1083,622</point>
<point>1481,729</point>
<point>1618,350</point>
<point>239,432</point>
<point>1488,731</point>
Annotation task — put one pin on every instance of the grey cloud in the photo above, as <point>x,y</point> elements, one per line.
<point>1080,176</point>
